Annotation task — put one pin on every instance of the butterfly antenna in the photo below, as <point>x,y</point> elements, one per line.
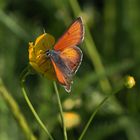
<point>44,30</point>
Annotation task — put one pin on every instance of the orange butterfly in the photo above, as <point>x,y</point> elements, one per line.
<point>63,61</point>
<point>66,56</point>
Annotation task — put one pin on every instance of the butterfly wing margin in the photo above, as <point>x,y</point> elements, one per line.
<point>73,36</point>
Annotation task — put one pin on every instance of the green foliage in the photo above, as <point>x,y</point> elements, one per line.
<point>111,52</point>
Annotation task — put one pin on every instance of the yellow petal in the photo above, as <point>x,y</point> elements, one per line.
<point>31,52</point>
<point>71,119</point>
<point>44,42</point>
<point>37,56</point>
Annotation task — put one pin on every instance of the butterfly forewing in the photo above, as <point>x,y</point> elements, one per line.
<point>62,77</point>
<point>72,37</point>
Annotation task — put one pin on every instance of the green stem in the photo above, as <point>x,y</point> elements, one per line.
<point>24,74</point>
<point>15,110</point>
<point>61,110</point>
<point>96,110</point>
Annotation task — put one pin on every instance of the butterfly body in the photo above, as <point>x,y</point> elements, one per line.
<point>56,58</point>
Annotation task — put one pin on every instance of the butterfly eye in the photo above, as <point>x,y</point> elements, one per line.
<point>48,52</point>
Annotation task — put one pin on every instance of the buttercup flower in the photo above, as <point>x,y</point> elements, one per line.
<point>130,81</point>
<point>69,103</point>
<point>37,57</point>
<point>71,119</point>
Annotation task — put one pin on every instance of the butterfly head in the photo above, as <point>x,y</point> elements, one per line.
<point>48,53</point>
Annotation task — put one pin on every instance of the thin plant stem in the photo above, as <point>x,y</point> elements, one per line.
<point>24,74</point>
<point>61,110</point>
<point>15,110</point>
<point>94,55</point>
<point>96,110</point>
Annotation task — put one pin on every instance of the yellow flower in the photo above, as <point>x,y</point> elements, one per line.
<point>130,81</point>
<point>37,57</point>
<point>69,103</point>
<point>71,119</point>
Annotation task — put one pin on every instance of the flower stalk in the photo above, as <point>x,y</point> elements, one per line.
<point>97,109</point>
<point>23,76</point>
<point>15,110</point>
<point>61,110</point>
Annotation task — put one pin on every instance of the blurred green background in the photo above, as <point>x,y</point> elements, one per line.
<point>111,51</point>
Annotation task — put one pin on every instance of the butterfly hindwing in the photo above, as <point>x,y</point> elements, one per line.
<point>65,64</point>
<point>72,58</point>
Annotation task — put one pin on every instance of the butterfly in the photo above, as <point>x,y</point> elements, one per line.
<point>66,57</point>
<point>62,62</point>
